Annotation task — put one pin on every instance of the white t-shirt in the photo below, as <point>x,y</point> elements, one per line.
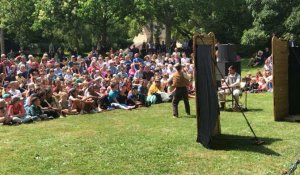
<point>15,93</point>
<point>185,60</point>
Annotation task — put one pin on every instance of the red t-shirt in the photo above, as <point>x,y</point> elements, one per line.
<point>16,110</point>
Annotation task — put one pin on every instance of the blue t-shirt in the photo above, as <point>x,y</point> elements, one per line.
<point>128,63</point>
<point>137,60</point>
<point>132,96</point>
<point>112,95</point>
<point>113,70</point>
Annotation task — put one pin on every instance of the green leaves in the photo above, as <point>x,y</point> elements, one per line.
<point>279,16</point>
<point>17,19</point>
<point>254,37</point>
<point>293,21</point>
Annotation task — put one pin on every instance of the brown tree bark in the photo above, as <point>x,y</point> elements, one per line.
<point>2,44</point>
<point>168,35</point>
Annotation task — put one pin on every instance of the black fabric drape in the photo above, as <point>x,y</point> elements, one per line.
<point>294,81</point>
<point>206,95</point>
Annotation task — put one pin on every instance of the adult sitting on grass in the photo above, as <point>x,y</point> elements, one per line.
<point>257,60</point>
<point>153,92</point>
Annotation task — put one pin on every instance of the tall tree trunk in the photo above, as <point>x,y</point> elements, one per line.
<point>151,32</point>
<point>2,41</point>
<point>99,47</point>
<point>104,33</point>
<point>168,35</point>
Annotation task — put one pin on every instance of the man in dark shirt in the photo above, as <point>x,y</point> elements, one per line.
<point>88,60</point>
<point>267,53</point>
<point>135,50</point>
<point>292,42</point>
<point>163,47</point>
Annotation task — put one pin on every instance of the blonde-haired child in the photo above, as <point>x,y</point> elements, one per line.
<point>64,104</point>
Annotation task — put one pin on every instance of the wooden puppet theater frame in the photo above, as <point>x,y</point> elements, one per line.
<point>208,113</point>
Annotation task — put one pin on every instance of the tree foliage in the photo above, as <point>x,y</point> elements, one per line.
<point>279,17</point>
<point>92,22</point>
<point>106,23</point>
<point>16,18</point>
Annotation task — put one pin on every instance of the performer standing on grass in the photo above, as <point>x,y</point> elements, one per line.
<point>180,82</point>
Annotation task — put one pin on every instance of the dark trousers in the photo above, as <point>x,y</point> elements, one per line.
<point>180,92</point>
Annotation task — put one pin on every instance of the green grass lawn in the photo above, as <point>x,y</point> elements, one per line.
<point>150,141</point>
<point>246,69</point>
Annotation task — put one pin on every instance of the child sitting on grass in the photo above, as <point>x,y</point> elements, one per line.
<point>35,109</point>
<point>16,113</point>
<point>133,98</point>
<point>2,110</point>
<point>253,86</point>
<point>64,105</point>
<point>263,85</point>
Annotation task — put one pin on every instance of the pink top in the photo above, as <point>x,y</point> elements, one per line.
<point>263,87</point>
<point>131,72</point>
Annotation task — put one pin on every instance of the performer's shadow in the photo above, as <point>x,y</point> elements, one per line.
<point>243,143</point>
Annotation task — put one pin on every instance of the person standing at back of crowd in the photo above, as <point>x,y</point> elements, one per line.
<point>180,82</point>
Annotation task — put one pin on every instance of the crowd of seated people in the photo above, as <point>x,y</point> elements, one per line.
<point>259,58</point>
<point>263,80</point>
<point>33,90</point>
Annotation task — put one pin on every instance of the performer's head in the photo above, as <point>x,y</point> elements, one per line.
<point>178,67</point>
<point>231,70</point>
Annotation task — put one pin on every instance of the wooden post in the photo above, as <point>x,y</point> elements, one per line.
<point>280,53</point>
